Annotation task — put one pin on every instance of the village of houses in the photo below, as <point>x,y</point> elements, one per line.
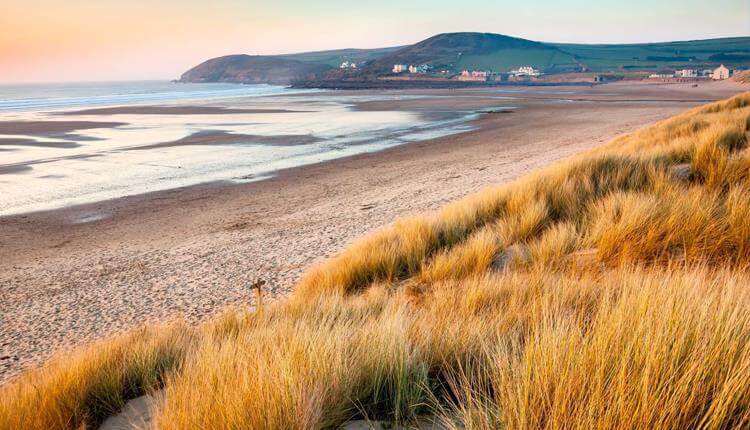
<point>423,70</point>
<point>468,75</point>
<point>720,73</point>
<point>527,73</point>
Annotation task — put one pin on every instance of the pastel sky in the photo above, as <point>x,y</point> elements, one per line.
<point>83,40</point>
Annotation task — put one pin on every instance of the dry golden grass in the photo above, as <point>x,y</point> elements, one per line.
<point>742,77</point>
<point>607,291</point>
<point>87,386</point>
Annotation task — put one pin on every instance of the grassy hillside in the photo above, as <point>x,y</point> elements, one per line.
<point>253,69</point>
<point>336,57</point>
<point>459,51</point>
<point>454,51</point>
<point>607,291</point>
<point>692,54</point>
<point>510,59</point>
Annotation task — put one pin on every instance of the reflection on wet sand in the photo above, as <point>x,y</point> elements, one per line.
<point>15,169</point>
<point>220,137</point>
<point>23,141</point>
<point>48,128</point>
<point>170,110</point>
<point>25,166</point>
<point>141,149</point>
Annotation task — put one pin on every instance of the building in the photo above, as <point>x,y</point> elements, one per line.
<point>402,68</point>
<point>474,75</point>
<point>661,75</point>
<point>421,69</point>
<point>707,73</point>
<point>526,71</point>
<point>399,68</point>
<point>348,65</point>
<point>686,73</point>
<point>721,73</point>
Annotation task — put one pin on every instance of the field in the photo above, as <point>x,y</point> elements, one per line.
<point>612,58</point>
<point>606,291</point>
<point>511,59</point>
<point>336,57</point>
<point>550,57</point>
<point>689,54</point>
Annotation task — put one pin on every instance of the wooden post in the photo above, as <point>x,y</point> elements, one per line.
<point>258,287</point>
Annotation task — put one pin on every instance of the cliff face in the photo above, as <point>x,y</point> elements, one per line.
<point>253,69</point>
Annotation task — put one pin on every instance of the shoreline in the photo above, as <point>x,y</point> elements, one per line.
<point>76,274</point>
<point>191,151</point>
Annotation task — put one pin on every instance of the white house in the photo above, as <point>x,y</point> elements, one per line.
<point>526,71</point>
<point>686,73</point>
<point>721,72</point>
<point>662,75</point>
<point>348,65</point>
<point>399,68</point>
<point>474,75</point>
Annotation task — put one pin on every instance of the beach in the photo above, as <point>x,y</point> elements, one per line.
<point>76,274</point>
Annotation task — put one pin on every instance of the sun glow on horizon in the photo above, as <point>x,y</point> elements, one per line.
<point>53,40</point>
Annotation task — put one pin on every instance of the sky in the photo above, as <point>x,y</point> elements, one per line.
<point>94,40</point>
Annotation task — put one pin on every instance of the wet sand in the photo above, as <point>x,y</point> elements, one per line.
<point>219,137</point>
<point>170,110</point>
<point>76,274</point>
<point>27,166</point>
<point>65,131</point>
<point>32,142</point>
<point>52,128</point>
<point>15,169</point>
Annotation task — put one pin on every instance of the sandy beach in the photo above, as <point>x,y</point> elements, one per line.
<point>73,275</point>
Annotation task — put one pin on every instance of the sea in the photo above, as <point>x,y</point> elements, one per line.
<point>57,148</point>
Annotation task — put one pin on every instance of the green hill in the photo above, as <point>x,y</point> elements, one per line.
<point>455,51</point>
<point>336,57</point>
<point>485,51</point>
<point>253,69</point>
<point>662,55</point>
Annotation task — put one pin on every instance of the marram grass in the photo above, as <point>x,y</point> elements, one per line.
<point>610,290</point>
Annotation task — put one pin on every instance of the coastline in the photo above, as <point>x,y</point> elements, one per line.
<point>160,147</point>
<point>76,274</point>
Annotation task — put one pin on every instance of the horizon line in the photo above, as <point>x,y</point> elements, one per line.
<point>296,52</point>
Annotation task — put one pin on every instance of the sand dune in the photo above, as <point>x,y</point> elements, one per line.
<point>80,273</point>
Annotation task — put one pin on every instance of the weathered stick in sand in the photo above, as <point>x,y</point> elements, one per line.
<point>258,287</point>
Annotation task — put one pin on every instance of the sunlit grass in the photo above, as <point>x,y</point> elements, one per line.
<point>605,291</point>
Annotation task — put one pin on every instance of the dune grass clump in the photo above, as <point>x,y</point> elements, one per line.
<point>660,350</point>
<point>610,290</point>
<point>83,388</point>
<point>742,77</point>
